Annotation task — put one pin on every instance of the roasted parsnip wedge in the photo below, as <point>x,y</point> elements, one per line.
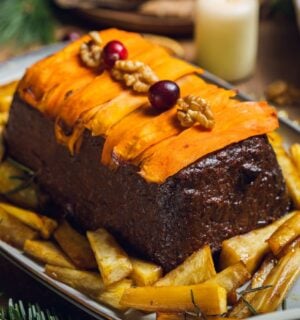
<point>185,316</point>
<point>75,246</point>
<point>87,282</point>
<point>290,172</point>
<point>210,298</point>
<point>43,224</point>
<point>113,262</point>
<point>48,253</point>
<point>197,268</point>
<point>13,231</point>
<point>240,310</point>
<point>113,294</point>
<point>231,278</point>
<point>6,95</point>
<point>249,248</point>
<point>144,273</point>
<point>12,178</point>
<point>290,247</point>
<point>295,154</point>
<point>277,284</point>
<point>285,234</point>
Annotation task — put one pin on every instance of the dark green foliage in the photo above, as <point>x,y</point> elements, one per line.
<point>25,22</point>
<point>17,311</point>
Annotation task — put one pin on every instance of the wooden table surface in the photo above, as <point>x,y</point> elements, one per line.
<point>278,58</point>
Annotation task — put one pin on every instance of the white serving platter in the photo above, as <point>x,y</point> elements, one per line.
<point>13,70</point>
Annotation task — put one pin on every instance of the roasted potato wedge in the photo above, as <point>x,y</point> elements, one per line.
<point>113,294</point>
<point>6,95</point>
<point>290,172</point>
<point>285,234</point>
<point>295,154</point>
<point>48,253</point>
<point>144,273</point>
<point>87,282</point>
<point>13,231</point>
<point>197,268</point>
<point>240,310</point>
<point>43,224</point>
<point>231,278</point>
<point>210,298</point>
<point>11,180</point>
<point>113,262</point>
<point>75,246</point>
<point>249,248</point>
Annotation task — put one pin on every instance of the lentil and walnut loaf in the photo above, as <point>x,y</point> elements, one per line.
<point>172,189</point>
<point>225,193</point>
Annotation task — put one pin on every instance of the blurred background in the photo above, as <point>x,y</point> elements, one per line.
<point>255,44</point>
<point>181,26</point>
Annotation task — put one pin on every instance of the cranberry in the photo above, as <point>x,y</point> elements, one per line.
<point>163,94</point>
<point>113,51</point>
<point>71,36</point>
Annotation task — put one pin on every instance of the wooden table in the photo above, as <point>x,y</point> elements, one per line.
<point>278,58</point>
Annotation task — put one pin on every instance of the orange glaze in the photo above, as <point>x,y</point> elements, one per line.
<point>234,122</point>
<point>125,145</point>
<point>63,65</point>
<point>79,98</point>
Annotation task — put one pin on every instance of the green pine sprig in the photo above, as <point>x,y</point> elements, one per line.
<point>17,311</point>
<point>26,22</point>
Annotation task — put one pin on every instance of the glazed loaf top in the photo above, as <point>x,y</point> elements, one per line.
<point>79,98</point>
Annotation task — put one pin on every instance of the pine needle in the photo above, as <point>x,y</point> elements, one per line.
<point>17,311</point>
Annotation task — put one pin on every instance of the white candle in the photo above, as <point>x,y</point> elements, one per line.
<point>226,37</point>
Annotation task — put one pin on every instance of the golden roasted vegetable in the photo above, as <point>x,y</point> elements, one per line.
<point>113,294</point>
<point>277,284</point>
<point>43,224</point>
<point>197,268</point>
<point>75,246</point>
<point>289,170</point>
<point>87,282</point>
<point>144,273</point>
<point>6,95</point>
<point>290,247</point>
<point>249,248</point>
<point>15,187</point>
<point>240,310</point>
<point>186,316</point>
<point>113,262</point>
<point>231,278</point>
<point>295,154</point>
<point>47,252</point>
<point>13,231</point>
<point>210,298</point>
<point>285,234</point>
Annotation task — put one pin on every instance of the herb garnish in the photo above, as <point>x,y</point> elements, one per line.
<point>247,303</point>
<point>199,314</point>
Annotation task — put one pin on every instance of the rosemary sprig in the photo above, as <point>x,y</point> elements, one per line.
<point>20,166</point>
<point>199,314</point>
<point>255,289</point>
<point>247,303</point>
<point>22,186</point>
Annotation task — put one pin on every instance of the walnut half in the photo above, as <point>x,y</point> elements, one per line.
<point>134,74</point>
<point>194,109</point>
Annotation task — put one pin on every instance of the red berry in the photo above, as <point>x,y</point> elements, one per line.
<point>113,51</point>
<point>163,94</point>
<point>71,36</point>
